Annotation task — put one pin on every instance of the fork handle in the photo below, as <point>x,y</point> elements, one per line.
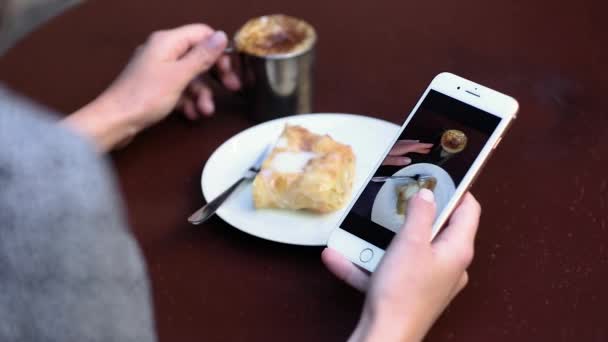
<point>385,178</point>
<point>204,213</point>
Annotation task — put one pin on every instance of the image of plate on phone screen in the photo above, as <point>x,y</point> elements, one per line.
<point>390,205</point>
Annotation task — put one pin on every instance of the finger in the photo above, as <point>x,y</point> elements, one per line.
<point>224,64</point>
<point>414,143</point>
<point>205,101</point>
<point>462,227</point>
<point>203,95</point>
<point>229,77</point>
<point>406,142</point>
<point>456,243</point>
<point>418,225</point>
<point>397,161</point>
<point>177,42</point>
<point>231,81</point>
<point>204,55</point>
<point>408,147</point>
<point>190,109</point>
<point>195,88</point>
<point>345,270</point>
<point>421,149</point>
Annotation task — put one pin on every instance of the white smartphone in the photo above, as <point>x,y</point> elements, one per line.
<point>442,146</point>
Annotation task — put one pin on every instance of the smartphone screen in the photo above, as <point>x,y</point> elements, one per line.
<point>436,149</point>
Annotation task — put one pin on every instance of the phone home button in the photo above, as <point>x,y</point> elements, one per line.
<point>366,255</point>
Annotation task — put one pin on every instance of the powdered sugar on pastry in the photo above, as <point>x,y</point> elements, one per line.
<point>305,171</point>
<point>291,162</point>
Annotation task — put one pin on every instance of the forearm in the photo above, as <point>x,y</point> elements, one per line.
<point>103,122</point>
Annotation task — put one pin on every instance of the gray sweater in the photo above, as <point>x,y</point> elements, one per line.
<point>69,268</point>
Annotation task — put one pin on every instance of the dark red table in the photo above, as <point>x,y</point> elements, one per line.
<point>541,267</point>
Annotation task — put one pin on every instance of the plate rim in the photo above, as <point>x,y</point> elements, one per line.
<point>270,122</point>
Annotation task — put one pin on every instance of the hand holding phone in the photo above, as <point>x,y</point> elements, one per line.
<point>441,147</point>
<point>417,278</point>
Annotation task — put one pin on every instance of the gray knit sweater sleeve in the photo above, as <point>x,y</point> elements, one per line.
<point>69,268</point>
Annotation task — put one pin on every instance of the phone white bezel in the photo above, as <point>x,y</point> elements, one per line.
<point>486,99</point>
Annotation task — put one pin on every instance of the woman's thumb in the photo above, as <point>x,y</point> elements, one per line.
<point>204,55</point>
<point>420,217</point>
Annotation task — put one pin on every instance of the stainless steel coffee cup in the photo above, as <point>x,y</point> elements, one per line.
<point>277,80</point>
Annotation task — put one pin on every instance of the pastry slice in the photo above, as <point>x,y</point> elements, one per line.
<point>305,171</point>
<point>427,183</point>
<point>404,194</point>
<point>407,191</point>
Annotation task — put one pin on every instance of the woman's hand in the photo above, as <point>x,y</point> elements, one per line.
<point>163,74</point>
<point>416,278</point>
<point>396,157</point>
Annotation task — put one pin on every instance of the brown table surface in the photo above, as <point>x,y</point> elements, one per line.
<point>541,266</point>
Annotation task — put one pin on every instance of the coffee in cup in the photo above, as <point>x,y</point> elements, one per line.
<point>275,35</point>
<point>277,56</point>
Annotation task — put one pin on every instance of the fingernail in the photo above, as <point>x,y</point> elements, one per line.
<point>216,40</point>
<point>426,195</point>
<point>407,160</point>
<point>208,108</point>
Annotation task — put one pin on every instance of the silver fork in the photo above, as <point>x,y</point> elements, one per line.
<point>384,179</point>
<point>204,213</point>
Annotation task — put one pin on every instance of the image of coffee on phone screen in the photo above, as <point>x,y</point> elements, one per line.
<point>441,147</point>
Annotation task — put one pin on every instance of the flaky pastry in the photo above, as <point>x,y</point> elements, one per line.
<point>407,191</point>
<point>305,171</point>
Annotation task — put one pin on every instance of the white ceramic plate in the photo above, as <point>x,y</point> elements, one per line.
<point>384,210</point>
<point>368,137</point>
